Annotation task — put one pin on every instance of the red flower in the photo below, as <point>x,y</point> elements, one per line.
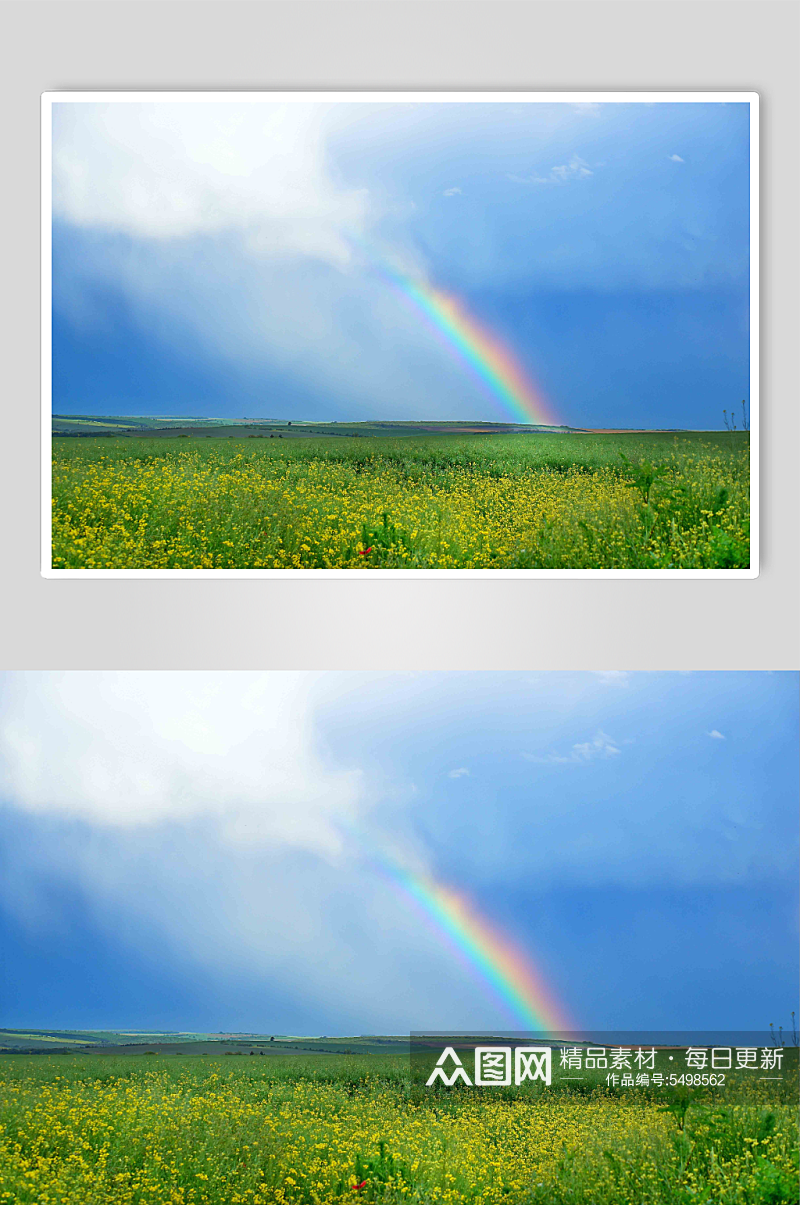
<point>364,553</point>
<point>363,1182</point>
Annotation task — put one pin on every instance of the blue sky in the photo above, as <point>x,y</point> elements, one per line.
<point>224,259</point>
<point>178,848</point>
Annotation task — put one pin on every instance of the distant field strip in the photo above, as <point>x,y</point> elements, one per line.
<point>445,502</point>
<point>18,1036</point>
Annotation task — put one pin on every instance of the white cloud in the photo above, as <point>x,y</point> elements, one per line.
<point>612,676</point>
<point>133,749</point>
<point>677,159</point>
<point>197,807</point>
<point>461,772</point>
<point>601,745</point>
<point>452,192</point>
<point>239,225</point>
<point>576,169</point>
<point>174,170</point>
<point>717,736</point>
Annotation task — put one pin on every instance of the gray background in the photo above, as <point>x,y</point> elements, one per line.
<point>420,624</point>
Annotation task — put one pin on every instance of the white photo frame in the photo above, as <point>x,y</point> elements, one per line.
<point>49,99</point>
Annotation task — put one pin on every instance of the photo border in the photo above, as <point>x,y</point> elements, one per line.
<point>223,96</point>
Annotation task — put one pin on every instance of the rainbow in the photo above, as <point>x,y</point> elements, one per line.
<point>482,352</point>
<point>502,966</point>
<point>491,957</point>
<point>488,359</point>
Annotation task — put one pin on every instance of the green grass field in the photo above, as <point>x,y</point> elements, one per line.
<point>488,501</point>
<point>172,1127</point>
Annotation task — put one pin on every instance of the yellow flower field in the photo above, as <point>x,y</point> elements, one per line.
<point>87,1130</point>
<point>440,503</point>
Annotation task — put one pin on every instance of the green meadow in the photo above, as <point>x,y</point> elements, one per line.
<point>248,1120</point>
<point>249,498</point>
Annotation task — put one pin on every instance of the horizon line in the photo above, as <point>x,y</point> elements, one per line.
<point>232,421</point>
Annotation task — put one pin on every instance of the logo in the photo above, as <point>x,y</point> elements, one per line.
<point>493,1066</point>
